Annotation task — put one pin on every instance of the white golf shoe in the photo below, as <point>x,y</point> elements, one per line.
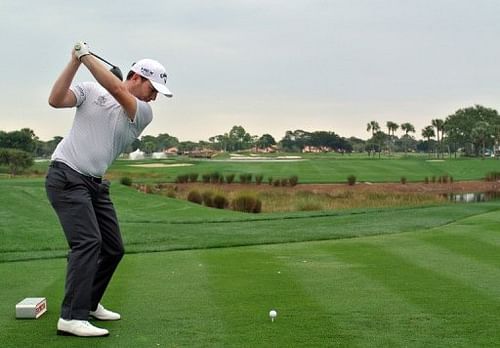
<point>81,328</point>
<point>102,313</point>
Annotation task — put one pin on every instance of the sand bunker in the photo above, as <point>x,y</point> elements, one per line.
<point>255,158</point>
<point>160,165</point>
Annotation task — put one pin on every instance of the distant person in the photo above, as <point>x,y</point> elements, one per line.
<point>110,115</point>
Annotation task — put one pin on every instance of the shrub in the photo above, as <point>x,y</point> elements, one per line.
<point>284,182</point>
<point>270,180</point>
<point>16,160</point>
<point>207,197</point>
<point>220,201</point>
<point>492,176</point>
<point>215,177</point>
<point>433,179</point>
<point>195,197</point>
<point>230,178</point>
<point>351,180</point>
<point>126,181</point>
<point>276,182</point>
<point>247,203</point>
<point>403,180</point>
<point>193,177</point>
<point>205,178</point>
<point>182,178</point>
<point>171,193</point>
<point>258,179</point>
<point>426,179</point>
<point>293,180</point>
<point>245,178</point>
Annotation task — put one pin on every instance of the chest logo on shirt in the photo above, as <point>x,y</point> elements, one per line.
<point>101,100</point>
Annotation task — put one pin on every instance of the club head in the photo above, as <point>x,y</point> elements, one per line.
<point>117,72</point>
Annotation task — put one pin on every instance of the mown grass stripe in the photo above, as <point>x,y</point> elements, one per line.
<point>170,293</point>
<point>472,272</point>
<point>456,313</point>
<point>256,280</point>
<point>373,314</point>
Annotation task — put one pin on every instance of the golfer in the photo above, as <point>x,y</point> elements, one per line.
<point>110,115</point>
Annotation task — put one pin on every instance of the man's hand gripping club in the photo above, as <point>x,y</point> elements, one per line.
<point>81,49</point>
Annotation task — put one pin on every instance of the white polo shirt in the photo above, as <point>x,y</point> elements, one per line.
<point>101,130</point>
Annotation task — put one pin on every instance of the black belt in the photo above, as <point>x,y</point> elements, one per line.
<point>60,165</point>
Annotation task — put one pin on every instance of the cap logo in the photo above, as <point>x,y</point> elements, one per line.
<point>147,72</point>
<point>164,77</point>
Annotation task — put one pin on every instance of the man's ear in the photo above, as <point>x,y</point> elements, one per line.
<point>136,77</point>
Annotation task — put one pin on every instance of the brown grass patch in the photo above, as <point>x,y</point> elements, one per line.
<point>335,196</point>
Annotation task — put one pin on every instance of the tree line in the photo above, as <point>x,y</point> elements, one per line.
<point>473,131</point>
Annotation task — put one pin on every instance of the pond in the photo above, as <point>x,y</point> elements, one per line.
<point>471,197</point>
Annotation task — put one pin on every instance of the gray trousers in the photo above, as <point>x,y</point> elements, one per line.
<point>89,221</point>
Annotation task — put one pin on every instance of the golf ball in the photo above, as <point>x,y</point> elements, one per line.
<point>273,314</point>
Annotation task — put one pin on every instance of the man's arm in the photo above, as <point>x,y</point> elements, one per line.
<point>112,84</point>
<point>60,95</point>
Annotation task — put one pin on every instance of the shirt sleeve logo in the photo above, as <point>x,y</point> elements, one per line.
<point>80,91</point>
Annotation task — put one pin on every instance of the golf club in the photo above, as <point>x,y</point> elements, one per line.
<point>114,69</point>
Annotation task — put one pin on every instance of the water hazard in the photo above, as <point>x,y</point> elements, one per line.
<point>472,197</point>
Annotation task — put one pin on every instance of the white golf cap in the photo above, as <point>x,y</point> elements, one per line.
<point>154,72</point>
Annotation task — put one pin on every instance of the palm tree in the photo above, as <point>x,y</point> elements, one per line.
<point>439,124</point>
<point>407,127</point>
<point>374,127</point>
<point>428,132</point>
<point>392,127</point>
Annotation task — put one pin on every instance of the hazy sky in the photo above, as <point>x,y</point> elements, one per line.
<point>269,66</point>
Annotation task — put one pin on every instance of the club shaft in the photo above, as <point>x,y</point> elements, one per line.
<point>104,60</point>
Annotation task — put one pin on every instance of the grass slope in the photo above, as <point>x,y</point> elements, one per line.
<point>30,230</point>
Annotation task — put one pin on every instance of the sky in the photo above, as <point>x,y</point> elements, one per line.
<point>268,66</point>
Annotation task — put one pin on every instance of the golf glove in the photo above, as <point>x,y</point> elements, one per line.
<point>81,49</point>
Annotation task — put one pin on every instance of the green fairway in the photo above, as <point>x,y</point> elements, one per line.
<point>320,168</point>
<point>436,287</point>
<point>198,277</point>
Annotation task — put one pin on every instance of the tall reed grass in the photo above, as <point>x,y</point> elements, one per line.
<point>286,199</point>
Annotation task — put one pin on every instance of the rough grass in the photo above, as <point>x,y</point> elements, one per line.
<point>310,201</point>
<point>279,199</point>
